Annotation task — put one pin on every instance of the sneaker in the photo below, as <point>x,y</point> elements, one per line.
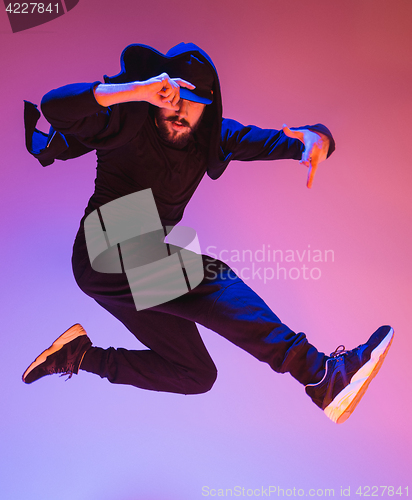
<point>63,356</point>
<point>348,375</point>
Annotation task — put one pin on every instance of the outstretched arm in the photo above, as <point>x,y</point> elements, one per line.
<point>250,143</point>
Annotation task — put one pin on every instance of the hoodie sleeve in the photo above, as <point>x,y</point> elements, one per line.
<point>73,111</point>
<point>79,124</point>
<point>248,143</point>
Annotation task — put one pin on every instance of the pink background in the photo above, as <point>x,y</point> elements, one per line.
<point>346,64</point>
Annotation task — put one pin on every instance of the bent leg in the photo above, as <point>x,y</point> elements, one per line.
<point>176,359</point>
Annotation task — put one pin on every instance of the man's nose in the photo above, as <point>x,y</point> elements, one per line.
<point>182,111</point>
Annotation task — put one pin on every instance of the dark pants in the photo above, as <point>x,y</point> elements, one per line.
<point>176,359</point>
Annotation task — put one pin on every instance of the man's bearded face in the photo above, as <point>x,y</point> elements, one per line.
<point>177,127</point>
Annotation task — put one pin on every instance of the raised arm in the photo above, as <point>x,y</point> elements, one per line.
<point>161,91</point>
<point>89,111</point>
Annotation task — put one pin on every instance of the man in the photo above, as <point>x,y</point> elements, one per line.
<point>158,125</point>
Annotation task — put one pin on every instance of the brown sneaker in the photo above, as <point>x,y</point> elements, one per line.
<point>64,356</point>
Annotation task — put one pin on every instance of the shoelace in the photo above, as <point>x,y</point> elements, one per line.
<point>69,370</point>
<point>339,351</point>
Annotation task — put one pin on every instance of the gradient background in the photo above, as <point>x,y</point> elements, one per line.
<point>346,64</point>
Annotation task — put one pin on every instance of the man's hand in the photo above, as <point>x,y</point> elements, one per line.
<point>316,148</point>
<point>161,91</point>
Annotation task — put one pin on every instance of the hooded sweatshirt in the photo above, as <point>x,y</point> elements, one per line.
<point>131,156</point>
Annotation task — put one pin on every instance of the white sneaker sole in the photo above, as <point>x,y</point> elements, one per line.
<point>341,408</point>
<point>72,333</point>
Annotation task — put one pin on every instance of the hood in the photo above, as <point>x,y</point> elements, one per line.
<point>141,62</point>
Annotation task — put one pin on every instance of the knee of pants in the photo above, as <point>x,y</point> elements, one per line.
<point>201,382</point>
<point>86,280</point>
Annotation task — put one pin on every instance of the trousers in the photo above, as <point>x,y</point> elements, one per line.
<point>176,359</point>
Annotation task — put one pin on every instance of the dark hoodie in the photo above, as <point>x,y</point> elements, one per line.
<point>131,156</point>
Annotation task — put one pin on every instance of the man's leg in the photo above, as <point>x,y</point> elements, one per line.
<point>176,359</point>
<point>335,383</point>
<point>222,302</point>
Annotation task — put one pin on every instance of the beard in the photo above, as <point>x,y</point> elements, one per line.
<point>176,138</point>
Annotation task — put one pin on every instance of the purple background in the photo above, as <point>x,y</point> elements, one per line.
<point>345,64</point>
